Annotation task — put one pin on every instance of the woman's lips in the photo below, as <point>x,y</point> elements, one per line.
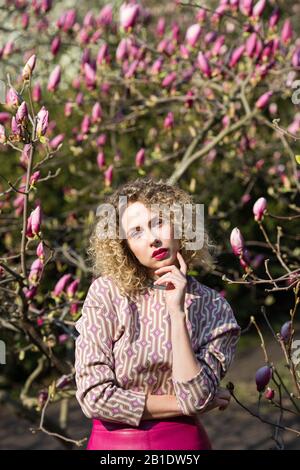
<point>161,255</point>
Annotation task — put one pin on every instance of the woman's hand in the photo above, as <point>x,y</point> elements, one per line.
<point>176,282</point>
<point>221,401</point>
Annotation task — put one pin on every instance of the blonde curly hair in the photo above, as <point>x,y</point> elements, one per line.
<point>112,257</point>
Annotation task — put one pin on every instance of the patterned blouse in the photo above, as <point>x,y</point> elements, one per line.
<point>124,350</point>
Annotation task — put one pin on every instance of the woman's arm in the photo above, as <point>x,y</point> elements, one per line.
<point>161,406</point>
<point>166,406</point>
<point>197,375</point>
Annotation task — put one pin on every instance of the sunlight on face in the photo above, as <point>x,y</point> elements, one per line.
<point>147,231</point>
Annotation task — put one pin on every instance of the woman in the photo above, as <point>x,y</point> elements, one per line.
<point>154,342</point>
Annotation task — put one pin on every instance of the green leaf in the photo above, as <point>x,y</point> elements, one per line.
<point>297,158</point>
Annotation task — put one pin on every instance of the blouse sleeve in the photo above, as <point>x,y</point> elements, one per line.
<point>97,391</point>
<point>215,355</point>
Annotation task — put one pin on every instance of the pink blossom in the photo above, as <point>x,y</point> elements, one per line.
<point>61,285</point>
<point>236,55</point>
<point>29,67</point>
<point>97,112</point>
<point>237,242</point>
<point>55,45</point>
<point>101,160</point>
<point>56,141</point>
<point>34,177</point>
<point>193,34</point>
<point>54,79</point>
<point>105,16</point>
<point>128,15</point>
<point>287,31</point>
<point>140,158</point>
<point>203,64</point>
<point>42,121</point>
<point>40,251</point>
<point>169,120</point>
<point>263,100</point>
<point>37,92</point>
<point>108,174</point>
<point>35,273</point>
<point>72,288</point>
<point>259,208</point>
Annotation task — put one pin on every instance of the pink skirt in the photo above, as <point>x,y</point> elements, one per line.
<point>178,433</point>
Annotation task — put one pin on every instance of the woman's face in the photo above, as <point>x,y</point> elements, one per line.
<point>144,237</point>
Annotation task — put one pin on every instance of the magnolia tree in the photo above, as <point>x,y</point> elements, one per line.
<point>208,95</point>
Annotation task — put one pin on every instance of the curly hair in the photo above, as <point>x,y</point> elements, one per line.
<point>112,257</point>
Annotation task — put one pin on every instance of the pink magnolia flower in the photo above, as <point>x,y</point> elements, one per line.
<point>54,79</point>
<point>101,140</point>
<point>246,7</point>
<point>85,124</point>
<point>61,285</point>
<point>68,108</point>
<point>237,242</point>
<point>30,292</point>
<point>287,31</point>
<point>156,66</point>
<point>25,20</point>
<point>128,15</point>
<point>15,127</point>
<point>22,113</point>
<point>219,42</point>
<point>169,79</point>
<point>56,141</point>
<point>35,273</point>
<point>4,117</point>
<point>40,251</point>
<point>161,26</point>
<point>29,67</point>
<point>36,93</point>
<point>101,159</point>
<point>90,76</point>
<point>103,54</point>
<point>97,112</point>
<point>2,135</point>
<point>193,34</point>
<point>55,45</point>
<point>236,55</point>
<point>203,64</point>
<point>169,120</point>
<point>140,158</point>
<point>263,100</point>
<point>251,44</point>
<point>42,121</point>
<point>105,16</point>
<point>72,288</point>
<point>13,98</point>
<point>34,177</point>
<point>36,219</point>
<point>259,208</point>
<point>259,8</point>
<point>108,175</point>
<point>274,18</point>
